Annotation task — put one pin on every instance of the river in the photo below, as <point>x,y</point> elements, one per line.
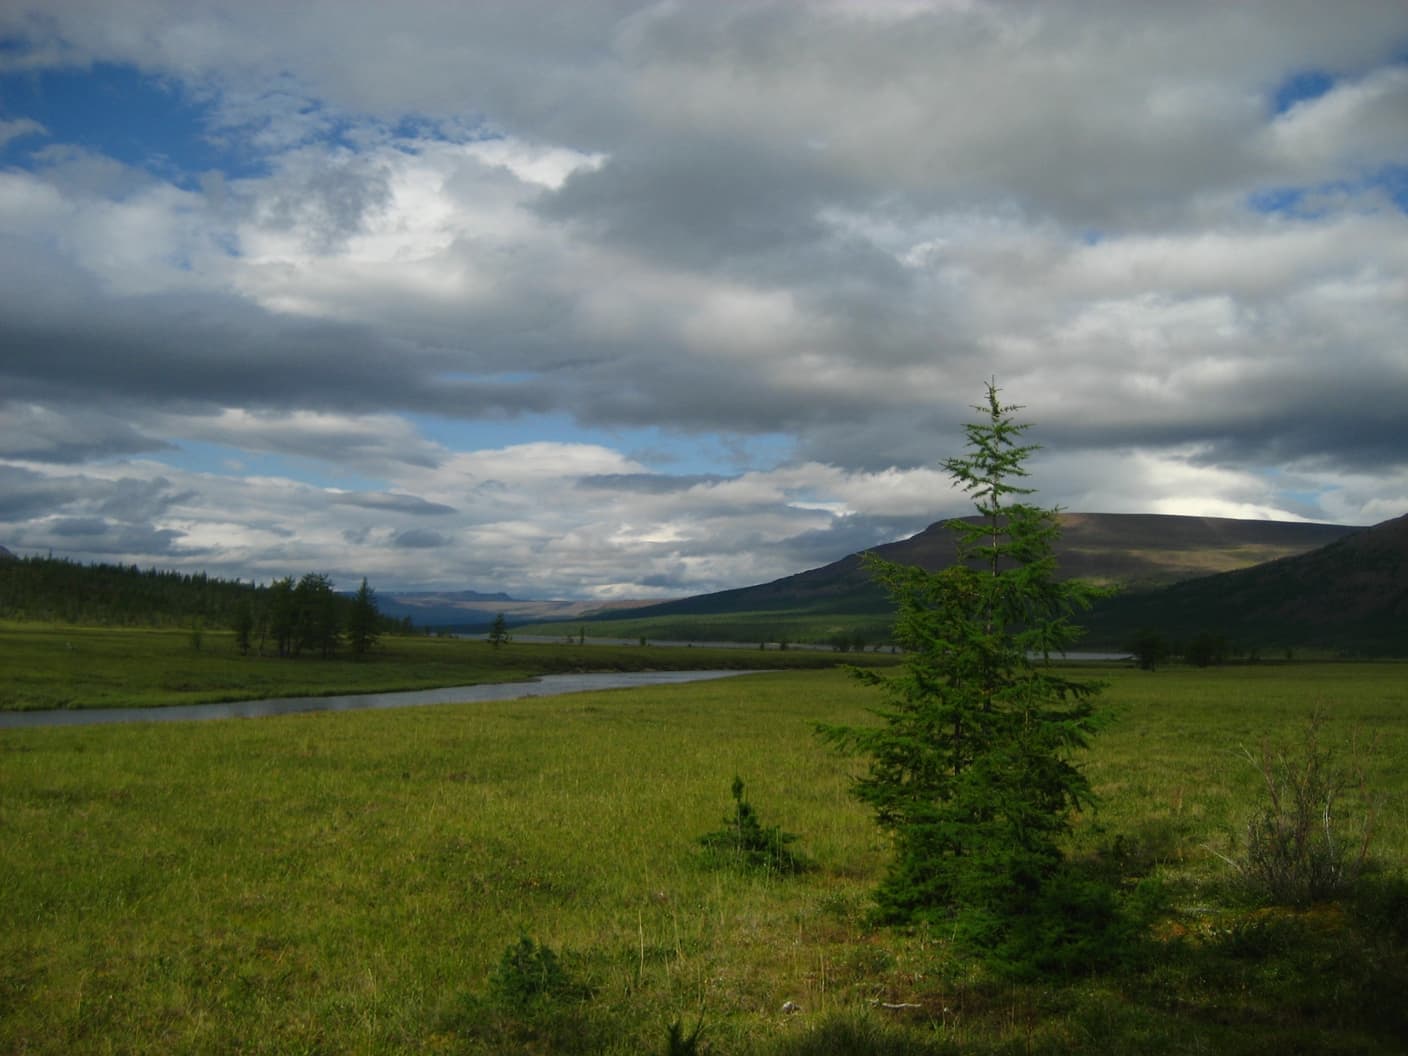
<point>546,686</point>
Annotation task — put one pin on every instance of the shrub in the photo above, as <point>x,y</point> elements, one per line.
<point>745,842</point>
<point>1381,907</point>
<point>1302,844</point>
<point>678,1043</point>
<point>531,975</point>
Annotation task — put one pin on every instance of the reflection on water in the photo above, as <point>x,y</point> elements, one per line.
<point>548,685</point>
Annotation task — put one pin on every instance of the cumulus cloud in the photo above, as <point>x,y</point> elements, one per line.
<point>654,231</point>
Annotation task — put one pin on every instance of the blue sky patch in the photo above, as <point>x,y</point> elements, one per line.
<point>663,450</point>
<point>146,122</point>
<point>197,456</point>
<point>1299,87</point>
<point>1285,200</point>
<point>1305,203</point>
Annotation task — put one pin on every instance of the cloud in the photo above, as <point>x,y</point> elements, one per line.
<point>420,539</point>
<point>30,432</point>
<point>1357,125</point>
<point>393,503</point>
<point>534,270</point>
<point>20,128</point>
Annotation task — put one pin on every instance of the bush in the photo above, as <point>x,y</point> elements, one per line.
<point>1381,907</point>
<point>745,842</point>
<point>531,975</point>
<point>1303,845</point>
<point>1075,923</point>
<point>678,1043</point>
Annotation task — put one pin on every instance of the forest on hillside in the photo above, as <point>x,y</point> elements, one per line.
<point>59,590</point>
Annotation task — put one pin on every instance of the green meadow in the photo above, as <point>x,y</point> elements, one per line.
<point>60,666</point>
<point>350,882</point>
<point>804,625</point>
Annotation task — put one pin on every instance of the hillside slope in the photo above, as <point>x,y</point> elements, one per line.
<point>1350,596</point>
<point>1132,550</point>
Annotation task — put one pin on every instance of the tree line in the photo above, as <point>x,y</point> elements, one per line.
<point>288,617</point>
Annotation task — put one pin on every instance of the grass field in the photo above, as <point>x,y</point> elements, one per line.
<point>803,625</point>
<point>350,882</point>
<point>59,666</point>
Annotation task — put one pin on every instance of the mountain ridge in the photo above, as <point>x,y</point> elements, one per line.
<point>1133,550</point>
<point>1349,596</point>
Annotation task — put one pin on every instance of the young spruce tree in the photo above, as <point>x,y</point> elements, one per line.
<point>971,771</point>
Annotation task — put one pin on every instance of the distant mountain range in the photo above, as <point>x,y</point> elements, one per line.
<point>1131,550</point>
<point>1268,585</point>
<point>1258,584</point>
<point>469,609</point>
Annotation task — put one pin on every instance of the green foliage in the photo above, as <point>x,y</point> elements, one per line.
<point>498,633</point>
<point>363,620</point>
<point>1149,649</point>
<point>1301,847</point>
<point>678,1043</point>
<point>302,615</point>
<point>1075,922</point>
<point>744,842</point>
<point>971,772</point>
<point>530,975</point>
<point>46,588</point>
<point>244,626</point>
<point>1206,649</point>
<point>317,618</point>
<point>1380,905</point>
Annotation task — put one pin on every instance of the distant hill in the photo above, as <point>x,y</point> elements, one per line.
<point>1135,551</point>
<point>468,610</point>
<point>1350,596</point>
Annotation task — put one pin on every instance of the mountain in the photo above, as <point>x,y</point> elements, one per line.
<point>1350,596</point>
<point>469,609</point>
<point>1132,550</point>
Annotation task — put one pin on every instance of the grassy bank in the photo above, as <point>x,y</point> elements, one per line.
<point>770,625</point>
<point>350,882</point>
<point>60,666</point>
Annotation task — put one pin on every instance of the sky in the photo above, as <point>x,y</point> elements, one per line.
<point>601,299</point>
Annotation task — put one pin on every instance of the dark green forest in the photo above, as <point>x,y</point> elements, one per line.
<point>288,616</point>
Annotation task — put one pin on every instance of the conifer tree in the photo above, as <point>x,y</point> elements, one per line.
<point>498,633</point>
<point>971,771</point>
<point>363,620</point>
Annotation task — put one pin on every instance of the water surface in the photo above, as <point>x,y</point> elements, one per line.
<point>546,686</point>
